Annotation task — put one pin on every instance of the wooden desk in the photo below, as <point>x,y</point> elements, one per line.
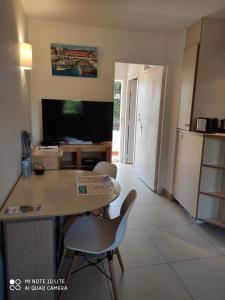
<point>30,239</point>
<point>56,192</point>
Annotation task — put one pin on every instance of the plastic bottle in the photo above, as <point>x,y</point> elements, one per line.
<point>26,166</point>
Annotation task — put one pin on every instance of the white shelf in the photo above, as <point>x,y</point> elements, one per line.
<point>216,166</point>
<point>214,194</point>
<point>216,222</point>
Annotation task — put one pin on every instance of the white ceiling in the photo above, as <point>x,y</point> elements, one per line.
<point>141,15</point>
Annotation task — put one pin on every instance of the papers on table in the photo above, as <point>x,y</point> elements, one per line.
<point>98,184</point>
<point>12,210</point>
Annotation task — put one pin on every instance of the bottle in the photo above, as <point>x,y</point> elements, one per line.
<point>26,166</point>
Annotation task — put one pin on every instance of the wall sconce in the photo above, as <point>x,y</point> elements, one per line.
<point>26,56</point>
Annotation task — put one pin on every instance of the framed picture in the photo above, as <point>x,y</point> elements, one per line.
<point>78,61</point>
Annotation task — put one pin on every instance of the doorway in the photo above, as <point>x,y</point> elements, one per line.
<point>141,117</point>
<point>131,120</point>
<point>116,121</point>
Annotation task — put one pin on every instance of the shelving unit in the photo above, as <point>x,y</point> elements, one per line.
<point>211,196</point>
<point>102,151</point>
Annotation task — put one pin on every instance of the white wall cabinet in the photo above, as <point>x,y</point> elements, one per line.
<point>187,87</point>
<point>187,171</point>
<point>202,88</point>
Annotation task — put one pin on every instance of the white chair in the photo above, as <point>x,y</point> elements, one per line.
<point>106,168</point>
<point>98,237</point>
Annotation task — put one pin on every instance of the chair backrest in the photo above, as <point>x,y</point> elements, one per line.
<point>106,168</point>
<point>123,218</point>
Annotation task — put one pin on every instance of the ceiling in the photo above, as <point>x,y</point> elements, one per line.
<point>167,16</point>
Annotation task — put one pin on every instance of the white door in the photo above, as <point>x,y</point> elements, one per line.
<point>147,141</point>
<point>131,116</point>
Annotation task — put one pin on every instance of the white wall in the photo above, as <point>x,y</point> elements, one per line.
<point>14,115</point>
<point>114,46</point>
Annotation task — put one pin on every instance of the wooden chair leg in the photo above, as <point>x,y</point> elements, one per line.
<point>112,274</point>
<point>71,266</point>
<point>61,262</point>
<point>106,212</point>
<point>119,259</point>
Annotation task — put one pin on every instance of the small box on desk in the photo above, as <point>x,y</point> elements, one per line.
<point>47,156</point>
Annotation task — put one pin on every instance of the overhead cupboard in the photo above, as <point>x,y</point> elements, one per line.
<point>202,87</point>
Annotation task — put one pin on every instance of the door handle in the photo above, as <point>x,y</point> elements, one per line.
<point>139,117</point>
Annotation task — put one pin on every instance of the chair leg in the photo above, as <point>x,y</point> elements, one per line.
<point>119,259</point>
<point>112,274</point>
<point>71,266</point>
<point>61,262</point>
<point>106,212</point>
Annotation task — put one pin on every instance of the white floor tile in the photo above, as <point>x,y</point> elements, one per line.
<point>81,263</point>
<point>88,287</point>
<point>214,234</point>
<point>204,278</point>
<point>161,214</point>
<point>157,282</point>
<point>138,250</point>
<point>182,242</point>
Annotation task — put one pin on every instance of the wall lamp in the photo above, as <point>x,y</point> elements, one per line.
<point>26,56</point>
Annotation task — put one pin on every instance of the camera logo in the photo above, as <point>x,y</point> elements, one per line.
<point>15,284</point>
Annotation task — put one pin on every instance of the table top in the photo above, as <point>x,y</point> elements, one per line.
<point>56,191</point>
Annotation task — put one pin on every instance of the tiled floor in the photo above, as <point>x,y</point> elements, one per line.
<point>166,255</point>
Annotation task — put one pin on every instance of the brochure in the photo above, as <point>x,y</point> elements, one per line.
<point>12,210</point>
<point>98,184</point>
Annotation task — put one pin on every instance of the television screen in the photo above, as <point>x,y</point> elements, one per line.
<point>70,121</point>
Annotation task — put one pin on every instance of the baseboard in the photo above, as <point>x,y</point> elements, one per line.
<point>167,194</point>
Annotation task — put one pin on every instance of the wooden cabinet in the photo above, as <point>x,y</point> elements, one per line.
<point>102,151</point>
<point>71,156</point>
<point>202,88</point>
<point>187,171</point>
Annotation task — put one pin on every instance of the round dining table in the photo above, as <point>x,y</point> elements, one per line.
<point>57,194</point>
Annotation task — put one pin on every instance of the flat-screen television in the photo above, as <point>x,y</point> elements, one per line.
<point>70,121</point>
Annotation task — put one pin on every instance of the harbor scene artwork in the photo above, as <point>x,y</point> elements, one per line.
<point>79,61</point>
